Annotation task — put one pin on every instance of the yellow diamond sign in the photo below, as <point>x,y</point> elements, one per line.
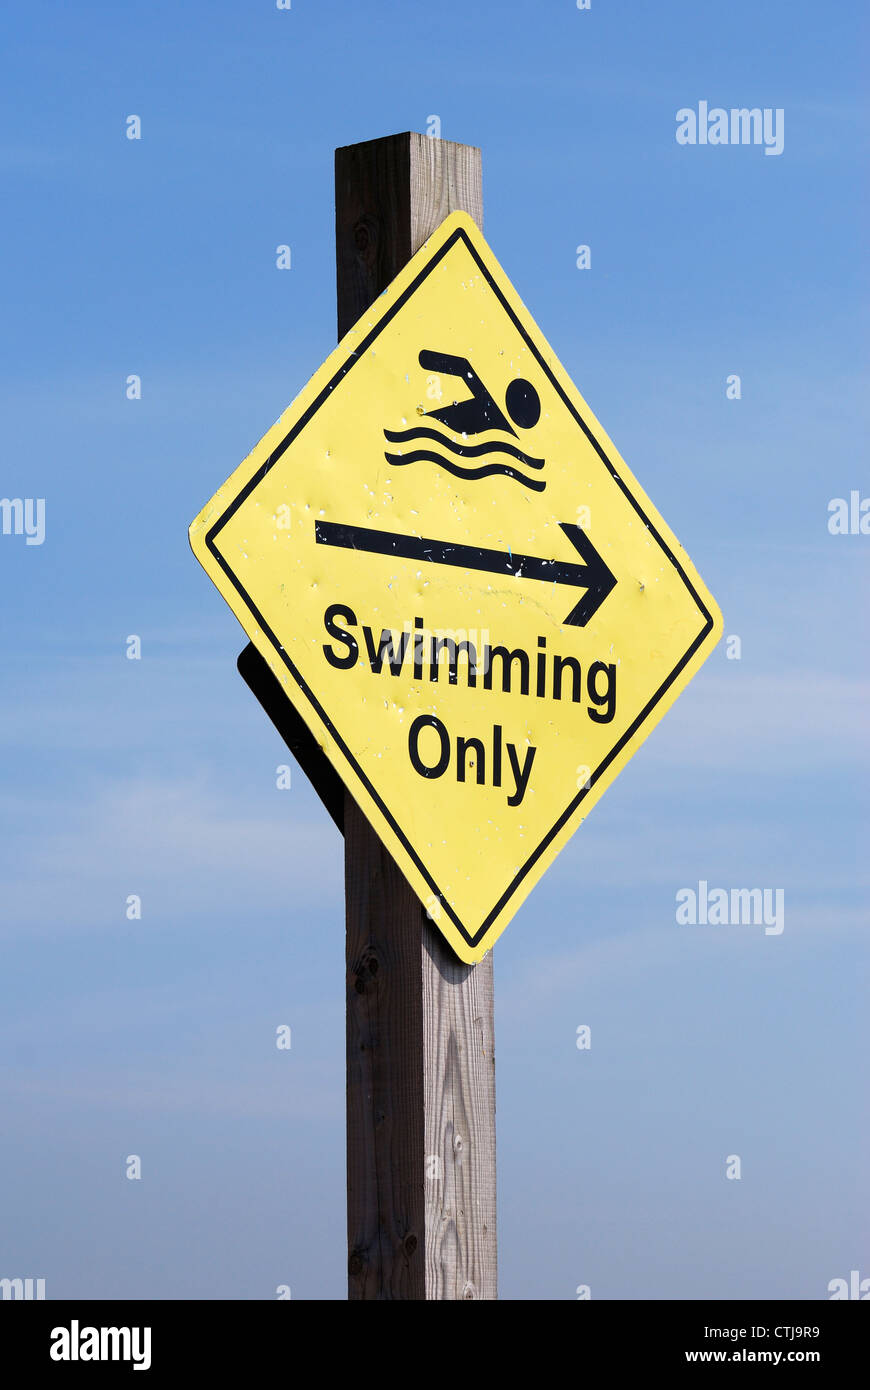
<point>460,585</point>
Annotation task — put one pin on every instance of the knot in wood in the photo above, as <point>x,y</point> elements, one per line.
<point>366,972</point>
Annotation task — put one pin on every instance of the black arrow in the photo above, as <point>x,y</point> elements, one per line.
<point>593,575</point>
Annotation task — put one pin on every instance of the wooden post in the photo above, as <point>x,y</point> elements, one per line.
<point>420,1045</point>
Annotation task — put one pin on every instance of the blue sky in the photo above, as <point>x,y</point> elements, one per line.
<point>157,777</point>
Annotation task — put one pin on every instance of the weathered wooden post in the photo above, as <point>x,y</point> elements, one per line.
<point>421,1214</point>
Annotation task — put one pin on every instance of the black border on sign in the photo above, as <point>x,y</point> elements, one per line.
<point>459,235</point>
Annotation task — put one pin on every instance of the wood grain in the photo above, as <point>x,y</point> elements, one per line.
<point>385,1098</point>
<point>459,1123</point>
<point>420,1038</point>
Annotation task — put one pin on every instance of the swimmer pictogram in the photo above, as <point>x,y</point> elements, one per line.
<point>479,413</point>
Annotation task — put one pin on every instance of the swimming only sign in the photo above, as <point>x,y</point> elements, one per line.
<point>459,584</point>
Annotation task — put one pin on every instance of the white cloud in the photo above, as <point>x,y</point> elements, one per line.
<point>654,952</point>
<point>182,845</point>
<point>790,722</point>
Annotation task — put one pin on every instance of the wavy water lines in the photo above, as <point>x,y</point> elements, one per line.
<point>464,451</point>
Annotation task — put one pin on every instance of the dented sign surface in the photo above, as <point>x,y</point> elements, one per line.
<point>459,584</point>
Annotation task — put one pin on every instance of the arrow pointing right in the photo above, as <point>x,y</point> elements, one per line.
<point>593,575</point>
<point>599,579</point>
